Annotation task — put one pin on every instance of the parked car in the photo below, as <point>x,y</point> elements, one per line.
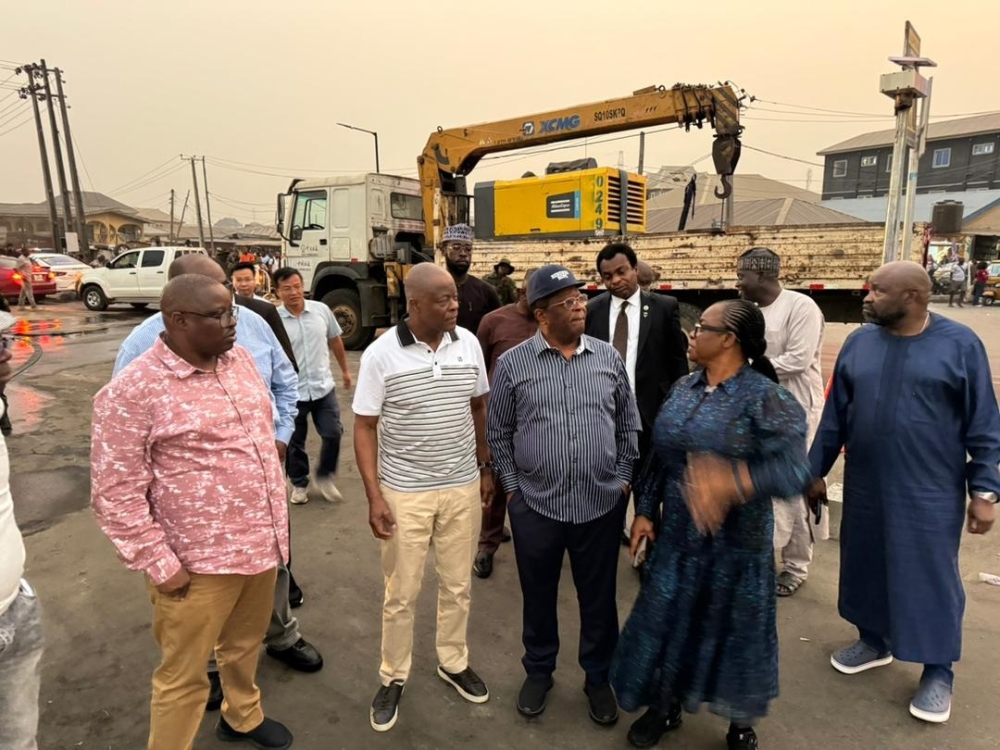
<point>44,280</point>
<point>68,270</point>
<point>136,277</point>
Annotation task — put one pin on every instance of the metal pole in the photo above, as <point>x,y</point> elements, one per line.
<point>642,150</point>
<point>208,205</point>
<point>183,211</point>
<point>914,168</point>
<point>197,206</point>
<point>170,237</point>
<point>377,170</point>
<point>67,217</point>
<point>80,218</point>
<point>46,174</point>
<point>890,249</point>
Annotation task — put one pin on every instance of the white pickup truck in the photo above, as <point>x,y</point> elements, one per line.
<point>135,277</point>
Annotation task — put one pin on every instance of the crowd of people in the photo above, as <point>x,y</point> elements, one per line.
<point>575,421</point>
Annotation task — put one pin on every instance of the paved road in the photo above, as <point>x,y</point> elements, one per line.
<point>100,651</point>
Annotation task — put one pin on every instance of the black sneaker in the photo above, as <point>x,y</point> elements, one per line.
<point>648,728</point>
<point>214,702</point>
<point>531,699</point>
<point>385,707</point>
<point>741,739</point>
<point>302,656</point>
<point>483,566</point>
<point>270,735</point>
<point>467,684</point>
<point>603,705</point>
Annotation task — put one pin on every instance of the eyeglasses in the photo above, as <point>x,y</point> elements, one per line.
<point>570,302</point>
<point>225,318</point>
<point>699,327</point>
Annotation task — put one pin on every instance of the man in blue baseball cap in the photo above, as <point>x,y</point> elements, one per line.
<point>562,430</point>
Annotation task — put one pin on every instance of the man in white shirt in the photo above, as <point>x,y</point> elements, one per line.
<point>244,279</point>
<point>794,343</point>
<point>959,275</point>
<point>20,615</point>
<point>314,333</point>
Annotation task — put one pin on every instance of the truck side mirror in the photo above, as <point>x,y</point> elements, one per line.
<point>296,234</point>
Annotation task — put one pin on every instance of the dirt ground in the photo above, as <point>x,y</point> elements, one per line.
<point>100,652</point>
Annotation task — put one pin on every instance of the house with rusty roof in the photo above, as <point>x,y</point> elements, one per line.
<point>109,222</point>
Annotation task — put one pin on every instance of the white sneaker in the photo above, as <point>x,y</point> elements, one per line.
<point>328,489</point>
<point>300,495</point>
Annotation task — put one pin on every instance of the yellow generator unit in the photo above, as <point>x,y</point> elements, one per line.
<point>586,203</point>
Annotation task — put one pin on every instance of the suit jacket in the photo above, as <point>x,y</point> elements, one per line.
<point>662,351</point>
<point>270,314</point>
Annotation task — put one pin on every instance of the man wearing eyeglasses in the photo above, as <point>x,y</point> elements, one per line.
<point>283,640</point>
<point>186,482</point>
<point>476,298</point>
<point>562,429</point>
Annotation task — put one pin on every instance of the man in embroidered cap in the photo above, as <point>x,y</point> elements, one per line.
<point>794,339</point>
<point>501,281</point>
<point>475,296</point>
<point>562,431</point>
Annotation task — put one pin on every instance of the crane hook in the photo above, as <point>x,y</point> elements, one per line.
<point>727,187</point>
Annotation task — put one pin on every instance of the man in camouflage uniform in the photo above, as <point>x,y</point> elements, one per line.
<point>501,281</point>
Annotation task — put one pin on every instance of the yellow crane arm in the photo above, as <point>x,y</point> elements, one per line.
<point>451,154</point>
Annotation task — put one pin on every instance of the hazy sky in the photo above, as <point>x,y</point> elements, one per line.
<point>264,83</point>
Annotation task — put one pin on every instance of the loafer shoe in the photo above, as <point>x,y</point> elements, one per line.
<point>467,684</point>
<point>483,566</point>
<point>302,656</point>
<point>270,735</point>
<point>603,704</point>
<point>531,699</point>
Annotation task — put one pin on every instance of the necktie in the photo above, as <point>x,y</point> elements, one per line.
<point>620,339</point>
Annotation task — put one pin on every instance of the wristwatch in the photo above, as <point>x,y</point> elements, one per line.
<point>485,465</point>
<point>990,497</point>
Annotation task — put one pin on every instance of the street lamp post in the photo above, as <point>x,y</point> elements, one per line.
<point>371,133</point>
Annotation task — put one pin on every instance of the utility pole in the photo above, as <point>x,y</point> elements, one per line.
<point>197,204</point>
<point>911,181</point>
<point>31,92</point>
<point>904,87</point>
<point>67,219</point>
<point>208,204</point>
<point>171,235</point>
<point>642,150</point>
<point>81,219</point>
<point>183,211</point>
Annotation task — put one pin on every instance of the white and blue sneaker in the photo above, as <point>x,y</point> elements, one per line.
<point>932,702</point>
<point>859,657</point>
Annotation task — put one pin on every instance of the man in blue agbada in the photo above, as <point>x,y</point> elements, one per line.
<point>913,403</point>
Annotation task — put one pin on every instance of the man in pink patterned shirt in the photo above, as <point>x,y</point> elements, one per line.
<point>187,484</point>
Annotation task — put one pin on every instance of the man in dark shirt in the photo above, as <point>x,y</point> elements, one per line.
<point>475,296</point>
<point>562,426</point>
<point>500,331</point>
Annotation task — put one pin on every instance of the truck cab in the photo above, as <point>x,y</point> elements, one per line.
<point>353,238</point>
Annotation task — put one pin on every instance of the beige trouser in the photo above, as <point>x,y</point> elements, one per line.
<point>450,519</point>
<point>229,613</point>
<point>794,530</point>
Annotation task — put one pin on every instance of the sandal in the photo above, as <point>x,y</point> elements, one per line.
<point>787,584</point>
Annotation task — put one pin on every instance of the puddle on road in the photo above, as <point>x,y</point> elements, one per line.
<point>27,406</point>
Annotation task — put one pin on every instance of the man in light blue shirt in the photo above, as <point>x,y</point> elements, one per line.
<point>283,640</point>
<point>314,333</point>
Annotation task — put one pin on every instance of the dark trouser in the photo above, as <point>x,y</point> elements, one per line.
<point>5,425</point>
<point>326,418</point>
<point>942,672</point>
<point>540,543</point>
<point>491,533</point>
<point>977,292</point>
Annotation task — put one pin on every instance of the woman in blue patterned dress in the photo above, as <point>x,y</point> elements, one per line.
<point>703,628</point>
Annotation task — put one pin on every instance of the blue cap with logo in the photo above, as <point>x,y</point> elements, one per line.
<point>548,280</point>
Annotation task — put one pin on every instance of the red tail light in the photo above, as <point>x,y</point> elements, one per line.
<point>51,276</point>
<point>16,276</point>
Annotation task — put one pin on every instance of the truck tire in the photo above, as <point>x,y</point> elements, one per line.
<point>94,299</point>
<point>689,317</point>
<point>346,307</point>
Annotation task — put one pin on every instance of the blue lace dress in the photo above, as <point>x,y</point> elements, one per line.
<point>703,628</point>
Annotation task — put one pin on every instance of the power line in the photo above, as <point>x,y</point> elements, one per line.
<point>21,124</point>
<point>82,161</point>
<point>155,178</point>
<point>246,203</point>
<point>9,118</point>
<point>782,156</point>
<point>143,176</point>
<point>869,114</point>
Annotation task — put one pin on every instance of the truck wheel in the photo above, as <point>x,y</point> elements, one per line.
<point>689,317</point>
<point>139,305</point>
<point>94,298</point>
<point>346,307</point>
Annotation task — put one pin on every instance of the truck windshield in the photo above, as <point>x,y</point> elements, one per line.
<point>405,206</point>
<point>310,211</point>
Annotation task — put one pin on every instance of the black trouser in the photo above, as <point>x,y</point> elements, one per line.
<point>326,417</point>
<point>540,544</point>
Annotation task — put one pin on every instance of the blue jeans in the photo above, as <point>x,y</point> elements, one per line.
<point>326,418</point>
<point>20,671</point>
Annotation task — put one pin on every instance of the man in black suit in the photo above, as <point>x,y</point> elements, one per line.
<point>645,329</point>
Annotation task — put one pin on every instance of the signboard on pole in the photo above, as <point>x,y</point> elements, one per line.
<point>911,48</point>
<point>72,243</point>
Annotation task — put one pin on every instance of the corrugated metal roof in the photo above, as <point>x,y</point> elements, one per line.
<point>746,187</point>
<point>93,203</point>
<point>772,212</point>
<point>938,131</point>
<point>873,209</point>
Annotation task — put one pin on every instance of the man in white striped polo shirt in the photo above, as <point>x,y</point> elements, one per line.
<point>419,433</point>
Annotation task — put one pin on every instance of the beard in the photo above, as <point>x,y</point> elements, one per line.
<point>886,318</point>
<point>459,267</point>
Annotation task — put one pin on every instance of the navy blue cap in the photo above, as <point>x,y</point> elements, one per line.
<point>548,280</point>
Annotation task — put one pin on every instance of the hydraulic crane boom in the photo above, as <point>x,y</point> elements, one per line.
<point>451,154</point>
